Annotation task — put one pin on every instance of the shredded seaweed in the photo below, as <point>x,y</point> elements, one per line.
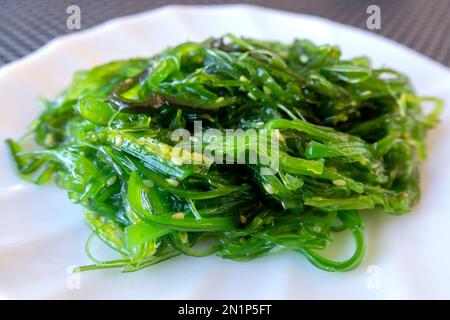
<point>350,138</point>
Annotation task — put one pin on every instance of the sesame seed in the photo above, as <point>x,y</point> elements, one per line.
<point>184,237</point>
<point>141,141</point>
<point>93,137</point>
<point>252,96</point>
<point>243,78</point>
<point>172,182</point>
<point>49,139</point>
<point>268,189</point>
<point>111,181</point>
<point>178,216</point>
<point>220,100</point>
<point>339,182</point>
<point>404,196</point>
<point>148,183</point>
<point>376,165</point>
<point>243,219</point>
<point>118,141</point>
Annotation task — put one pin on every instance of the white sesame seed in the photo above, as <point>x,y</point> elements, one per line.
<point>184,237</point>
<point>268,188</point>
<point>118,141</point>
<point>339,182</point>
<point>178,216</point>
<point>148,183</point>
<point>375,165</point>
<point>49,139</point>
<point>220,100</point>
<point>243,78</point>
<point>141,141</point>
<point>304,58</point>
<point>172,182</point>
<point>111,181</point>
<point>252,96</point>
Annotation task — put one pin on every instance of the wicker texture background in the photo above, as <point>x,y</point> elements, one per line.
<point>423,25</point>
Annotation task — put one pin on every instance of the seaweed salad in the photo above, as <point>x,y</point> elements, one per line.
<point>349,139</point>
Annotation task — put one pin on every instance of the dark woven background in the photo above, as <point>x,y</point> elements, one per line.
<point>423,25</point>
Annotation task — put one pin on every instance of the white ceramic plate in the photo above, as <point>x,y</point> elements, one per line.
<point>42,233</point>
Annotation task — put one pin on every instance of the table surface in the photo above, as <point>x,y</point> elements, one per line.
<point>423,25</point>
